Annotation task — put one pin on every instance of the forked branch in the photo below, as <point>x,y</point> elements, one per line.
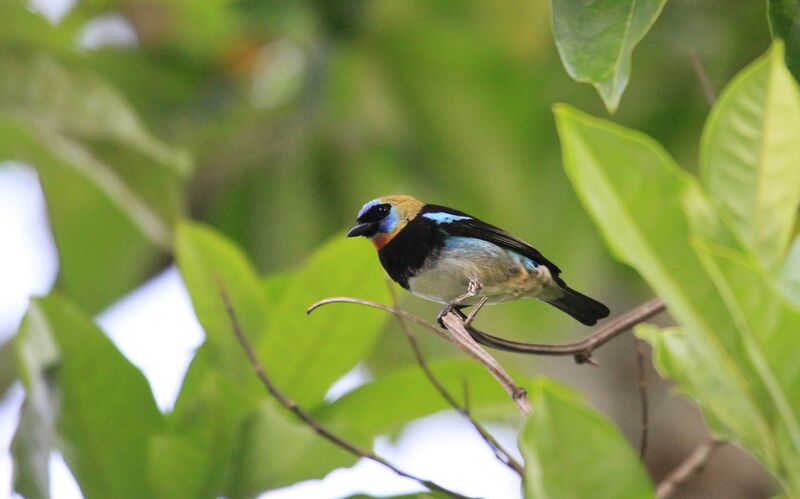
<point>312,423</point>
<point>499,451</point>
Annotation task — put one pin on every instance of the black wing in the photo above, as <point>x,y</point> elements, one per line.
<point>469,226</point>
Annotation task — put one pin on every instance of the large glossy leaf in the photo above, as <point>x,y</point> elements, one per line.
<point>596,40</point>
<point>307,354</point>
<point>751,152</point>
<point>209,265</point>
<point>106,412</point>
<point>219,391</point>
<point>784,23</point>
<point>220,386</point>
<point>571,451</point>
<point>769,325</point>
<point>649,211</point>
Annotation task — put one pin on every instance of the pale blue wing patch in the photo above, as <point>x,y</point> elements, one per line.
<point>444,218</point>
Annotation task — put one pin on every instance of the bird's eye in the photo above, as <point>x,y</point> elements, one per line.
<point>382,211</point>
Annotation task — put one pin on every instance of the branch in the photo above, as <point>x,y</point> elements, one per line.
<point>454,322</point>
<point>581,350</point>
<point>642,395</point>
<point>292,406</point>
<point>502,454</point>
<point>467,339</point>
<point>688,468</point>
<point>705,84</point>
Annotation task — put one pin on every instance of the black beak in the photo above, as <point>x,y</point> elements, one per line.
<point>360,229</point>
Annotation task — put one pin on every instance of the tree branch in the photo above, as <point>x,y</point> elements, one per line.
<point>642,395</point>
<point>292,406</point>
<point>454,322</point>
<point>688,468</point>
<point>501,453</point>
<point>705,84</point>
<point>467,338</point>
<point>581,350</point>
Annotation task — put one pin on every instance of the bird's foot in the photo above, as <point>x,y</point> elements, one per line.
<point>444,311</point>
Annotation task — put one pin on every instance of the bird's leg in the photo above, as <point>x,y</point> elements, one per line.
<point>473,289</point>
<point>475,311</point>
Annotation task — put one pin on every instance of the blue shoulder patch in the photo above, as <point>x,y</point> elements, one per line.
<point>444,218</point>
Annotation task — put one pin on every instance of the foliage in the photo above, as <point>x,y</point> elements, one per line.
<point>564,444</point>
<point>596,40</point>
<point>235,138</point>
<point>697,249</point>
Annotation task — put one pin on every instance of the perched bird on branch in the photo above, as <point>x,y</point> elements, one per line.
<point>447,256</point>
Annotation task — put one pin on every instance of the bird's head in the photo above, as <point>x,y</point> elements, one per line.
<point>382,218</point>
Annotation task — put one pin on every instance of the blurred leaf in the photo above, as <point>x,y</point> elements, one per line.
<point>107,412</point>
<point>8,368</point>
<point>176,467</point>
<point>309,353</point>
<point>69,102</point>
<point>37,356</point>
<point>790,274</point>
<point>386,404</point>
<point>784,23</point>
<point>750,155</point>
<point>571,451</point>
<point>279,450</point>
<point>70,126</point>
<point>596,40</point>
<point>204,431</point>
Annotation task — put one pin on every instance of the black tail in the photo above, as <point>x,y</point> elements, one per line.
<point>584,309</point>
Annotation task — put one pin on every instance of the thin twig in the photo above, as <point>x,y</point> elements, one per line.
<point>642,395</point>
<point>292,406</point>
<point>501,453</point>
<point>581,350</point>
<point>396,311</point>
<point>705,84</point>
<point>688,468</point>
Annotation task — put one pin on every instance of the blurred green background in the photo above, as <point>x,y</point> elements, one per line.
<point>274,121</point>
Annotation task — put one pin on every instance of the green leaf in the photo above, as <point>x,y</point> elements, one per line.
<point>596,39</point>
<point>208,263</point>
<point>107,413</point>
<point>96,161</point>
<point>750,152</point>
<point>648,210</point>
<point>220,409</point>
<point>387,403</point>
<point>279,450</point>
<point>790,274</point>
<point>8,369</point>
<point>571,451</point>
<point>769,325</point>
<point>306,354</point>
<point>784,24</point>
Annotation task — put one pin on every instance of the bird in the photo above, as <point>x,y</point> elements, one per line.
<point>453,258</point>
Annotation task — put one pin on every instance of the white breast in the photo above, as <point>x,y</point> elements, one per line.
<point>503,274</point>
